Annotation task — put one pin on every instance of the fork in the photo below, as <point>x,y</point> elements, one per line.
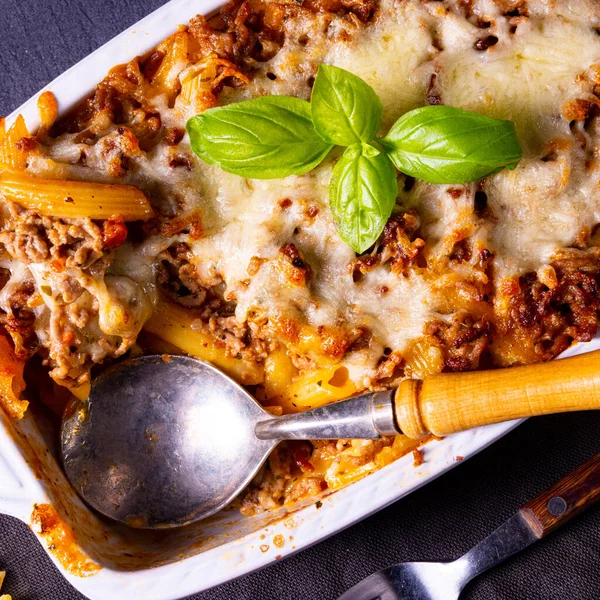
<point>576,492</point>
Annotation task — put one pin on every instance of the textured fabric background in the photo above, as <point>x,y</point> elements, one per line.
<point>38,41</point>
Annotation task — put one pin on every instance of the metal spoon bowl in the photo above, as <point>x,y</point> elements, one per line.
<point>165,441</point>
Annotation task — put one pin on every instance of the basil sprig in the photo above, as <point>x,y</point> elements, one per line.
<point>443,144</point>
<point>262,138</point>
<point>345,110</point>
<point>277,136</point>
<point>362,194</point>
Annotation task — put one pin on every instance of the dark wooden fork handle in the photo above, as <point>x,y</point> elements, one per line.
<point>564,500</point>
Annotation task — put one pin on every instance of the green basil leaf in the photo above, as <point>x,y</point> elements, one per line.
<point>263,138</point>
<point>443,144</point>
<point>345,109</point>
<point>362,194</point>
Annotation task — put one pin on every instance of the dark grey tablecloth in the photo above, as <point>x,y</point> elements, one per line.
<point>40,39</point>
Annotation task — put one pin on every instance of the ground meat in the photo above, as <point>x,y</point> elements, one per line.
<point>543,321</point>
<point>31,238</point>
<point>299,272</point>
<point>388,369</point>
<point>233,334</point>
<point>292,477</point>
<point>363,9</point>
<point>118,150</point>
<point>61,321</point>
<point>121,98</point>
<point>268,488</point>
<point>240,340</point>
<point>17,316</point>
<point>252,30</point>
<point>179,281</point>
<point>462,340</point>
<point>71,349</point>
<point>174,135</point>
<point>54,312</point>
<point>306,487</point>
<point>399,245</point>
<point>272,486</point>
<point>190,223</point>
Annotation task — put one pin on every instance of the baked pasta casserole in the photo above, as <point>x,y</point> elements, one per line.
<point>117,240</point>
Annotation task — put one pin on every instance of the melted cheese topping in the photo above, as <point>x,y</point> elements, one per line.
<point>391,56</point>
<point>528,76</point>
<point>254,225</point>
<point>412,51</point>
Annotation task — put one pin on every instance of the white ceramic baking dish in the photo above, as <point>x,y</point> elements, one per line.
<point>171,565</point>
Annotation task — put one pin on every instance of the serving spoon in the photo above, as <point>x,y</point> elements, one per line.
<point>163,441</point>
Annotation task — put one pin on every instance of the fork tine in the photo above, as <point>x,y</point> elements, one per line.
<point>375,587</point>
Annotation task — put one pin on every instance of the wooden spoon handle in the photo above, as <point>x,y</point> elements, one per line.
<point>450,402</point>
<point>564,500</point>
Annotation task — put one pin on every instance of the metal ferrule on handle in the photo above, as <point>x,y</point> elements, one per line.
<point>366,416</point>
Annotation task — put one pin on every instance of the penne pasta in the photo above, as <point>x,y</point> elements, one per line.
<point>75,199</point>
<point>316,388</point>
<point>12,383</point>
<point>48,110</point>
<point>200,81</point>
<point>175,50</point>
<point>402,445</point>
<point>279,374</point>
<point>343,468</point>
<point>175,325</point>
<point>11,155</point>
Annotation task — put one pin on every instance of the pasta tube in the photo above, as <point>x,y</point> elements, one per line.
<point>174,324</point>
<point>11,156</point>
<point>316,388</point>
<point>279,374</point>
<point>12,383</point>
<point>75,199</point>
